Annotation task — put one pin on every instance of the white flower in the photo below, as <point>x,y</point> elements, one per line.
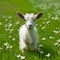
<point>51,37</point>
<point>43,38</point>
<point>59,45</point>
<point>40,45</point>
<point>49,15</point>
<point>9,25</point>
<point>1,48</point>
<point>48,55</point>
<point>43,22</point>
<point>42,28</point>
<point>56,44</point>
<point>13,39</point>
<point>7,47</point>
<point>6,19</point>
<point>56,18</point>
<point>45,18</point>
<point>18,30</point>
<point>59,13</point>
<point>41,52</point>
<point>52,18</point>
<point>58,40</point>
<point>6,43</point>
<point>10,36</point>
<point>47,22</point>
<point>9,17</point>
<point>6,29</point>
<point>11,30</point>
<point>56,28</point>
<point>59,52</point>
<point>10,21</point>
<point>40,25</point>
<point>10,46</point>
<point>0,23</point>
<point>22,57</point>
<point>6,25</point>
<point>36,24</point>
<point>56,32</point>
<point>18,56</point>
<point>17,22</point>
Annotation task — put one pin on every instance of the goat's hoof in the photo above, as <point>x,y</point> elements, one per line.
<point>24,50</point>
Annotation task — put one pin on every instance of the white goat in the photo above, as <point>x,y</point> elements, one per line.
<point>28,32</point>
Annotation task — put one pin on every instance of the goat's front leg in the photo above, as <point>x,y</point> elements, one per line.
<point>22,46</point>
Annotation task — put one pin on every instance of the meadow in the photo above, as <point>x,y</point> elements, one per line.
<point>48,29</point>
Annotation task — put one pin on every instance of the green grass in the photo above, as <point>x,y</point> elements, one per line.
<point>51,13</point>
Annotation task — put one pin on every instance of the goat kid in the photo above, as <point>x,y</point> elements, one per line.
<point>28,32</point>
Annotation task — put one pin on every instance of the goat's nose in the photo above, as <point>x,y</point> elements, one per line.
<point>30,25</point>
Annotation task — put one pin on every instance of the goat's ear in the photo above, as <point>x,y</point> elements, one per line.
<point>39,15</point>
<point>20,15</point>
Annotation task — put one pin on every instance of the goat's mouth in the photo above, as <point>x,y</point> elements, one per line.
<point>30,27</point>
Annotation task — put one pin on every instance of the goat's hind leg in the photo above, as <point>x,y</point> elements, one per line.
<point>33,46</point>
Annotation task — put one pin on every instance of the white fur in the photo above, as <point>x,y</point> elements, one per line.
<point>28,36</point>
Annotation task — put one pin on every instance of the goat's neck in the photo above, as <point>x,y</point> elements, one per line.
<point>30,31</point>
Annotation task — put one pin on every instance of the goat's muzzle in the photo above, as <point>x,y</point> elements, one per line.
<point>30,26</point>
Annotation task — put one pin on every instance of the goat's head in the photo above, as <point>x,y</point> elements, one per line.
<point>30,19</point>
